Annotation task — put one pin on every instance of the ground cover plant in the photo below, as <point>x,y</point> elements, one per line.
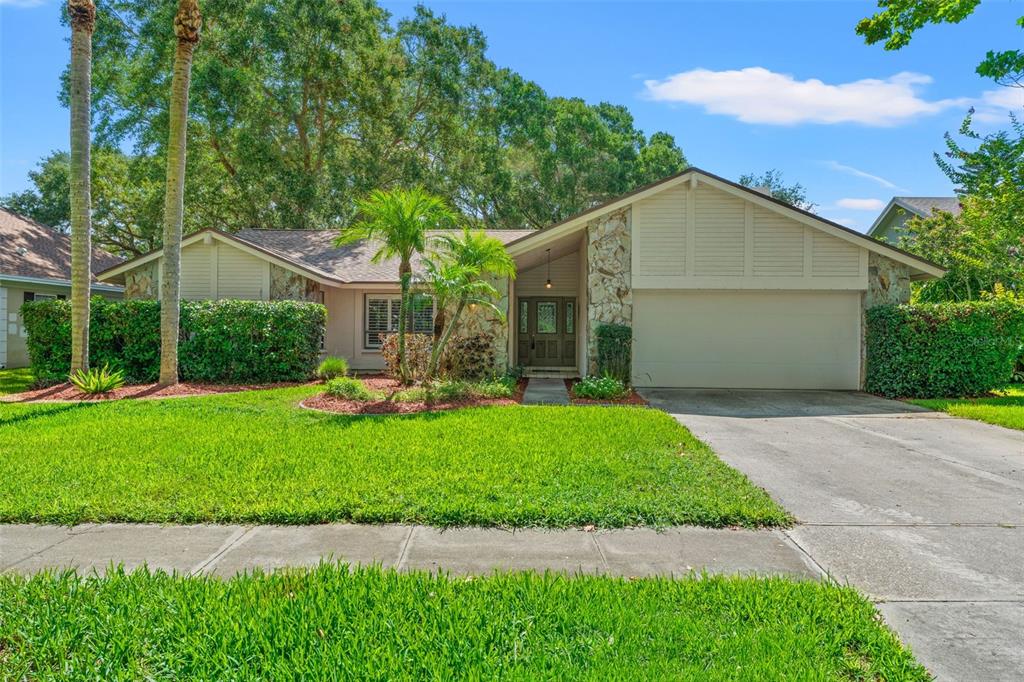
<point>599,388</point>
<point>381,625</point>
<point>332,367</point>
<point>1004,407</point>
<point>257,457</point>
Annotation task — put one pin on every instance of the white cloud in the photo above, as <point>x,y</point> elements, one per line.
<point>843,168</point>
<point>995,105</point>
<point>22,3</point>
<point>861,204</point>
<point>758,95</point>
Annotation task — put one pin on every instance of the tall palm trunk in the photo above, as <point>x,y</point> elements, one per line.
<point>186,28</point>
<point>82,14</point>
<point>405,277</point>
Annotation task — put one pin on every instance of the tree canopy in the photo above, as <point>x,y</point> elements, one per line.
<point>297,108</point>
<point>772,181</point>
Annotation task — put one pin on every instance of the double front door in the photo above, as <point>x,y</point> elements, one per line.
<point>546,328</point>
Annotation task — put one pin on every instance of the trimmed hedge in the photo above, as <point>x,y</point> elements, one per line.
<point>615,351</point>
<point>221,341</point>
<point>942,350</point>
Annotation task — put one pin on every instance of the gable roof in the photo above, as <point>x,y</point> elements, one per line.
<point>311,253</point>
<point>924,207</point>
<point>693,175</point>
<point>31,250</point>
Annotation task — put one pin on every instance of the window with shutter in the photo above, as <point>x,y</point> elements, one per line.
<point>383,312</point>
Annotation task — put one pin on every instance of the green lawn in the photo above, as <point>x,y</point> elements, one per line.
<point>256,457</point>
<point>370,624</point>
<point>15,380</point>
<point>1006,409</point>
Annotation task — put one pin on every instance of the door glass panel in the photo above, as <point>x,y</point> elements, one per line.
<point>570,317</point>
<point>547,317</point>
<point>524,317</point>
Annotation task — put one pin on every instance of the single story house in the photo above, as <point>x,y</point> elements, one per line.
<point>35,264</point>
<point>724,287</point>
<point>889,223</point>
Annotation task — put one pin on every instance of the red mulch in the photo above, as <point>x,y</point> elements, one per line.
<point>68,393</point>
<point>632,398</point>
<point>326,403</point>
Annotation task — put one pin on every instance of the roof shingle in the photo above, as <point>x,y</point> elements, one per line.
<point>29,249</point>
<point>925,206</point>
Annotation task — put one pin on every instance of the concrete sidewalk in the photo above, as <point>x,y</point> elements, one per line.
<point>226,550</point>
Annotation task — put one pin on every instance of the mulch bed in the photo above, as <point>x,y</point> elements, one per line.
<point>326,403</point>
<point>67,392</point>
<point>633,398</point>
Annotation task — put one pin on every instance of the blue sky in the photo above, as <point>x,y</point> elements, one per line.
<point>742,86</point>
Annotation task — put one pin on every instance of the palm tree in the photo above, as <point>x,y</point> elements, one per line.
<point>397,222</point>
<point>458,275</point>
<point>82,14</point>
<point>187,23</point>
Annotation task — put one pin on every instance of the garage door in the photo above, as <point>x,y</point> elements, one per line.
<point>766,339</point>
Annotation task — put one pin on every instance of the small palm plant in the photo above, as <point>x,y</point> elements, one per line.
<point>95,381</point>
<point>397,222</point>
<point>457,276</point>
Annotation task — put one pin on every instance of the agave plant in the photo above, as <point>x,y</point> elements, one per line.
<point>95,381</point>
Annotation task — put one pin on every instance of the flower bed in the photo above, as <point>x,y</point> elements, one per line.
<point>630,398</point>
<point>389,399</point>
<point>68,392</point>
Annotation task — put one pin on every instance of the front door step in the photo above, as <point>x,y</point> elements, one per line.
<point>546,392</point>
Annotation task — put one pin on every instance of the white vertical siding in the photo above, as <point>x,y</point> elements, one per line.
<point>3,333</point>
<point>719,233</point>
<point>660,247</point>
<point>240,275</point>
<point>195,272</point>
<point>778,245</point>
<point>564,278</point>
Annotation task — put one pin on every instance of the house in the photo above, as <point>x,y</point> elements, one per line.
<point>723,286</point>
<point>35,264</point>
<point>889,224</point>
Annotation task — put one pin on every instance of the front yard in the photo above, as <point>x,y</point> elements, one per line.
<point>256,457</point>
<point>374,624</point>
<point>1004,409</point>
<point>15,380</point>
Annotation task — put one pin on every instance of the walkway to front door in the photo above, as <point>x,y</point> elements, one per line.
<point>546,331</point>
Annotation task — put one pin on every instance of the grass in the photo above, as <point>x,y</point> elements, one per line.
<point>256,457</point>
<point>328,623</point>
<point>15,380</point>
<point>1006,408</point>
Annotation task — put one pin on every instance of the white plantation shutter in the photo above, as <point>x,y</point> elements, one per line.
<point>382,313</point>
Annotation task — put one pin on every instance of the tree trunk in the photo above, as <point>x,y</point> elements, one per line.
<point>186,28</point>
<point>82,14</point>
<point>438,349</point>
<point>405,276</point>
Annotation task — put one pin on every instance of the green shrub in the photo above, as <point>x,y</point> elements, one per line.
<point>331,368</point>
<point>97,380</point>
<point>455,390</point>
<point>417,352</point>
<point>606,387</point>
<point>221,341</point>
<point>349,388</point>
<point>942,350</point>
<point>614,351</point>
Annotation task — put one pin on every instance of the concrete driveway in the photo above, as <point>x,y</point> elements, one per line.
<point>921,511</point>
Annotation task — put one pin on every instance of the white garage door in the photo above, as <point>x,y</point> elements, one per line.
<point>762,339</point>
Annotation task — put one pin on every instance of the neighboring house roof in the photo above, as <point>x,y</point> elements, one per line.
<point>693,174</point>
<point>30,250</point>
<point>923,207</point>
<point>309,252</point>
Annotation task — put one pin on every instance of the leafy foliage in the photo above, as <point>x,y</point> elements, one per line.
<point>417,350</point>
<point>455,390</point>
<point>795,194</point>
<point>97,380</point>
<point>298,108</point>
<point>615,351</point>
<point>349,388</point>
<point>599,388</point>
<point>255,457</point>
<point>221,341</point>
<point>332,367</point>
<point>943,350</point>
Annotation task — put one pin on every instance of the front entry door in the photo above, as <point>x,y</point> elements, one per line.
<point>547,331</point>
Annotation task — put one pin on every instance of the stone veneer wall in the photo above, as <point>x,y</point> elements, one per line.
<point>483,320</point>
<point>286,285</point>
<point>141,283</point>
<point>609,279</point>
<point>888,281</point>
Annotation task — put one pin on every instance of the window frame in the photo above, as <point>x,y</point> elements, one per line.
<point>394,304</point>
